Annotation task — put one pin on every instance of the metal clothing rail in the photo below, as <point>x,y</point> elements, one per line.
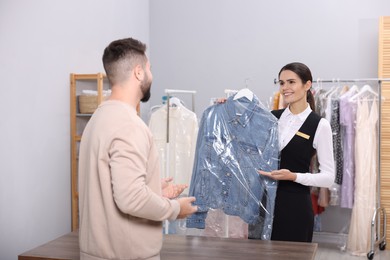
<point>375,240</point>
<point>336,80</point>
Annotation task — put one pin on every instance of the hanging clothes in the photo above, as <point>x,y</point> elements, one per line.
<point>218,224</point>
<point>177,155</point>
<point>347,124</point>
<point>359,237</point>
<point>236,138</point>
<point>327,106</point>
<point>278,101</point>
<point>320,101</point>
<point>180,151</point>
<point>337,148</point>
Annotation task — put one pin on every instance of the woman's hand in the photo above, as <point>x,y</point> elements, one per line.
<point>170,190</point>
<point>220,100</point>
<point>282,174</point>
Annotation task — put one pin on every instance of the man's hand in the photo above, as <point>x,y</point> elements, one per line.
<point>186,207</point>
<point>170,190</point>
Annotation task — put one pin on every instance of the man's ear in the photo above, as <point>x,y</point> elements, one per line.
<point>139,72</point>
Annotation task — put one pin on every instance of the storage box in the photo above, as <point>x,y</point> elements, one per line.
<point>87,103</point>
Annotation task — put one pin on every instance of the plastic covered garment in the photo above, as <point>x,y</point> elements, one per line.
<point>236,139</point>
<point>347,124</point>
<point>218,224</point>
<point>365,180</point>
<point>177,155</point>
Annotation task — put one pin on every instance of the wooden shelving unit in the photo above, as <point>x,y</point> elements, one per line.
<point>78,82</point>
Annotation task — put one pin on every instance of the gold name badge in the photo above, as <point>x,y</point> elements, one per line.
<point>303,135</point>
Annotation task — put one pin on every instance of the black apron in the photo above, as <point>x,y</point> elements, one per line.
<point>293,215</point>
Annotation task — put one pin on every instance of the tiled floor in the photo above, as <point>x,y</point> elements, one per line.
<point>328,251</point>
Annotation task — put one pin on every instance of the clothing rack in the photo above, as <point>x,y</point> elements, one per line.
<point>169,92</point>
<point>375,240</point>
<point>336,80</point>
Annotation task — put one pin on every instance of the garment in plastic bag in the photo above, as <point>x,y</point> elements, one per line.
<point>218,224</point>
<point>236,139</point>
<point>177,155</point>
<point>366,147</point>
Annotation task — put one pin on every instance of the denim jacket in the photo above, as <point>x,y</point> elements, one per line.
<point>235,139</point>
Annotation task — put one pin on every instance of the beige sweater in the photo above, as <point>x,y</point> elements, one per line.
<point>120,202</point>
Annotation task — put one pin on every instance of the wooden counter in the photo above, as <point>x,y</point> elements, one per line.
<point>177,247</point>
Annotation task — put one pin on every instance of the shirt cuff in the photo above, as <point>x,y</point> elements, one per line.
<point>176,210</point>
<point>299,178</point>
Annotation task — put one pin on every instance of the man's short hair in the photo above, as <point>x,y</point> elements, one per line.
<point>120,57</point>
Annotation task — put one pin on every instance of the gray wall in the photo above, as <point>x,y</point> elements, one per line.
<point>41,43</point>
<point>209,46</point>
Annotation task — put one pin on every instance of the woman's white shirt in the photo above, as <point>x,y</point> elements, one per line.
<point>289,124</point>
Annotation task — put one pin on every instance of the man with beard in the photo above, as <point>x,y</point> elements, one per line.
<point>121,198</point>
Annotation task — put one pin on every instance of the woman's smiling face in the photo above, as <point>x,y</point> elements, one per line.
<point>292,88</point>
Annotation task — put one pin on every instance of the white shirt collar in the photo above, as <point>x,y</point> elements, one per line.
<point>302,116</point>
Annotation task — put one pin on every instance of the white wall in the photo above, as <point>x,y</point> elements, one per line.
<point>41,43</point>
<point>212,45</point>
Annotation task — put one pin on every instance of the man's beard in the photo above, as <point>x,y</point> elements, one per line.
<point>146,85</point>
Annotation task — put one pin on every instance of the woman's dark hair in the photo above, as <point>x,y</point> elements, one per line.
<point>304,74</point>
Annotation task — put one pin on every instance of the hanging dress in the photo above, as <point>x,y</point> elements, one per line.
<point>359,237</point>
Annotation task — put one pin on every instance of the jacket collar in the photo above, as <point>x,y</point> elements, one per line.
<point>241,110</point>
